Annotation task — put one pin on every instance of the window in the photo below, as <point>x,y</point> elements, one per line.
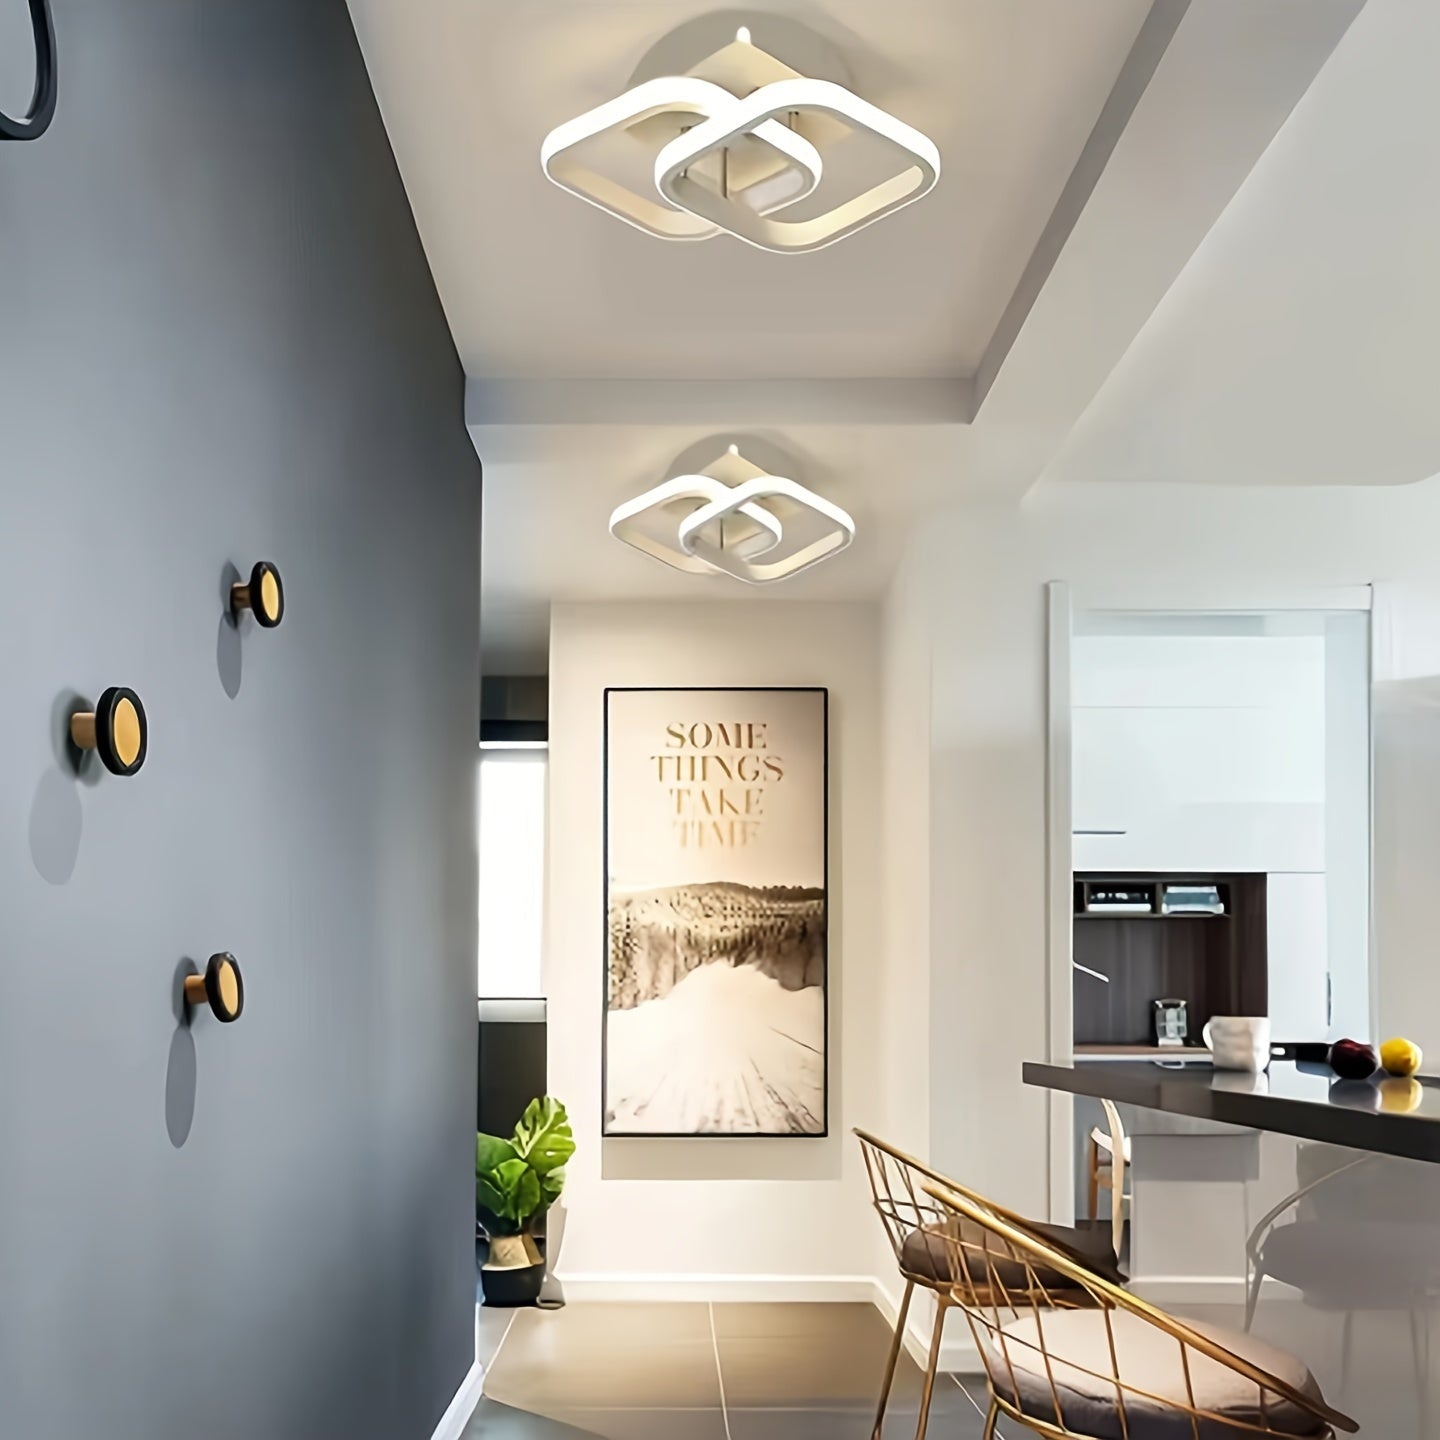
<point>511,825</point>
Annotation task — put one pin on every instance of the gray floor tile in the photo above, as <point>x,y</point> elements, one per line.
<point>782,1320</point>
<point>803,1374</point>
<point>648,1372</point>
<point>808,1356</point>
<point>601,1356</point>
<point>948,1421</point>
<point>851,1424</point>
<point>647,1424</point>
<point>493,1421</point>
<point>949,1407</point>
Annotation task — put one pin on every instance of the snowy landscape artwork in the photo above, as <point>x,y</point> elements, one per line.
<point>715,858</point>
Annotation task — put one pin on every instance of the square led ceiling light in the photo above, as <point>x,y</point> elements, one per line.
<point>678,166</point>
<point>650,523</point>
<point>814,530</point>
<point>774,167</point>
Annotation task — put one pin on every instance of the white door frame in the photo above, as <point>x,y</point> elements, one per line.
<point>1063,601</point>
<point>1059,896</point>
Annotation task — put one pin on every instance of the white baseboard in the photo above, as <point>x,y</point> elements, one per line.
<point>583,1287</point>
<point>1181,1290</point>
<point>467,1397</point>
<point>462,1407</point>
<point>958,1355</point>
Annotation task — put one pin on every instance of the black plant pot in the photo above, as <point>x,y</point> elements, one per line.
<point>508,1288</point>
<point>513,1269</point>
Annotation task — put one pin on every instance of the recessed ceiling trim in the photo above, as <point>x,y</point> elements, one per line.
<point>1158,171</point>
<point>1151,43</point>
<point>717,404</point>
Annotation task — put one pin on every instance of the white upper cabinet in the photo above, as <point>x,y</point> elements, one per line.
<point>1298,949</point>
<point>1207,752</point>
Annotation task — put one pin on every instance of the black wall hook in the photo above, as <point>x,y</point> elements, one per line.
<point>42,103</point>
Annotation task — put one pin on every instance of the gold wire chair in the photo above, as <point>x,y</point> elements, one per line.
<point>916,1226</point>
<point>1359,1234</point>
<point>1119,1369</point>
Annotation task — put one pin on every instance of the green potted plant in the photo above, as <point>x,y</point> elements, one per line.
<point>516,1182</point>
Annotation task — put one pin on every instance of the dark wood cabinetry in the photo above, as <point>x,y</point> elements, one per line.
<point>1216,963</point>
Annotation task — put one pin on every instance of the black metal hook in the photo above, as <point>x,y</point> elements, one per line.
<point>42,103</point>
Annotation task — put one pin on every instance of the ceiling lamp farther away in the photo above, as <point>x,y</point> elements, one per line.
<point>734,519</point>
<point>739,141</point>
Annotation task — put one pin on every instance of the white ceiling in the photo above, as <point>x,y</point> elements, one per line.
<point>1168,317</point>
<point>537,284</point>
<point>1299,345</point>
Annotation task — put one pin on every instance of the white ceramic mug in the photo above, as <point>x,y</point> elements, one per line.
<point>1239,1042</point>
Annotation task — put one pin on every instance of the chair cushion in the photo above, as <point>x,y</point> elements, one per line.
<point>926,1255</point>
<point>1356,1264</point>
<point>1149,1359</point>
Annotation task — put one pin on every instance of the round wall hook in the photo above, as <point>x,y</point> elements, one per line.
<point>221,987</point>
<point>116,729</point>
<point>42,103</point>
<point>263,595</point>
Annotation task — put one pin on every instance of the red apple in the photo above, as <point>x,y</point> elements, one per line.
<point>1353,1060</point>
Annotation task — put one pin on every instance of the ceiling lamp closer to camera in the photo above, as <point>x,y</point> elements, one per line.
<point>738,145</point>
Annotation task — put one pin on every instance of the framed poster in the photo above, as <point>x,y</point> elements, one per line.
<point>716,869</point>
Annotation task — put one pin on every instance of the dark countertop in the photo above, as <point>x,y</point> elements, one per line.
<point>1141,1052</point>
<point>1302,1100</point>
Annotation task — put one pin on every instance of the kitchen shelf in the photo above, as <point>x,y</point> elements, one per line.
<point>1216,969</point>
<point>1146,915</point>
<point>1143,1052</point>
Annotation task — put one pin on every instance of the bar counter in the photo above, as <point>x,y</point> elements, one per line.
<point>1291,1204</point>
<point>1386,1117</point>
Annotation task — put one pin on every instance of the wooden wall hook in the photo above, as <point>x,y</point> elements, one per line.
<point>263,595</point>
<point>220,987</point>
<point>116,729</point>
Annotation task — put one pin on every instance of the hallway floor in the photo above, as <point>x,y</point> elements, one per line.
<point>703,1372</point>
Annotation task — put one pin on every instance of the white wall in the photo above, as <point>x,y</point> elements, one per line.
<point>984,569</point>
<point>938,960</point>
<point>717,1217</point>
<point>905,814</point>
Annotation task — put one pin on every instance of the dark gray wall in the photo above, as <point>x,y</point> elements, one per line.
<point>219,341</point>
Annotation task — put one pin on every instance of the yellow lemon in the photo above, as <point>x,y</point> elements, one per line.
<point>1400,1057</point>
<point>1399,1096</point>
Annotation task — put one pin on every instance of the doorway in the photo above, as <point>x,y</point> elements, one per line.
<point>1209,818</point>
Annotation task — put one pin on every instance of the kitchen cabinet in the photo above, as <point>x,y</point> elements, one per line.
<point>1201,753</point>
<point>1298,954</point>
